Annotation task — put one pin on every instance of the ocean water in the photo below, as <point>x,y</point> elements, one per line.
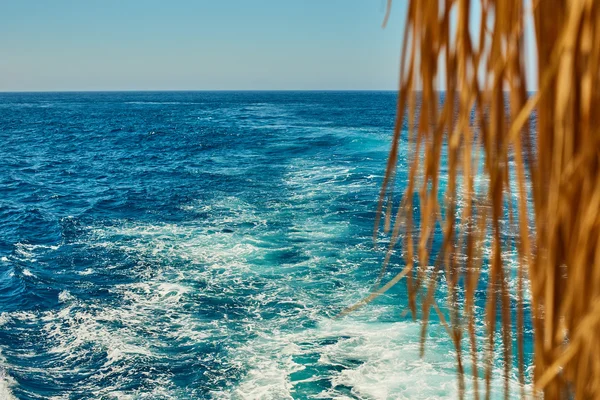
<point>192,245</point>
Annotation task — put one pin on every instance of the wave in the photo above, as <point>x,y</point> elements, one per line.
<point>354,359</point>
<point>163,102</point>
<point>215,278</point>
<point>5,384</point>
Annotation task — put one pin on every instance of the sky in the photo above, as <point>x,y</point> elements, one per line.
<point>198,45</point>
<point>73,45</point>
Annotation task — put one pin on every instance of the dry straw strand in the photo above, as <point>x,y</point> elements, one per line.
<point>546,180</point>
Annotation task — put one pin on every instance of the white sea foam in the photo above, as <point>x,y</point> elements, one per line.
<point>154,309</point>
<point>87,271</point>
<point>4,318</point>
<point>6,382</point>
<point>65,296</point>
<point>27,272</point>
<point>22,316</point>
<point>373,360</point>
<point>180,266</point>
<point>28,252</point>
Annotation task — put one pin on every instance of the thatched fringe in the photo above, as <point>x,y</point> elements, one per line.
<point>559,250</point>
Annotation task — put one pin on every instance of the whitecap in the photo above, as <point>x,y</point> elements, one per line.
<point>27,272</point>
<point>6,382</point>
<point>65,296</point>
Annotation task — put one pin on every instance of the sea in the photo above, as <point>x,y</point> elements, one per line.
<point>201,245</point>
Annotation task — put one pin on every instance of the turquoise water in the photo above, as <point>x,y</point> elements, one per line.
<point>197,245</point>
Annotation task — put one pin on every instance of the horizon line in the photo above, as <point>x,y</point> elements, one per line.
<point>193,90</point>
<point>212,91</point>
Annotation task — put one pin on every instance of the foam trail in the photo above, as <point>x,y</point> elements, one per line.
<point>5,383</point>
<point>206,261</point>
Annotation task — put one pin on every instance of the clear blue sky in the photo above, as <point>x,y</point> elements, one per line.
<point>53,45</point>
<point>198,44</point>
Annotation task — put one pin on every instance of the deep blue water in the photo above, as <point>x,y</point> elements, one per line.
<point>181,245</point>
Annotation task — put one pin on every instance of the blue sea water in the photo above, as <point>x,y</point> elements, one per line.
<point>191,245</point>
